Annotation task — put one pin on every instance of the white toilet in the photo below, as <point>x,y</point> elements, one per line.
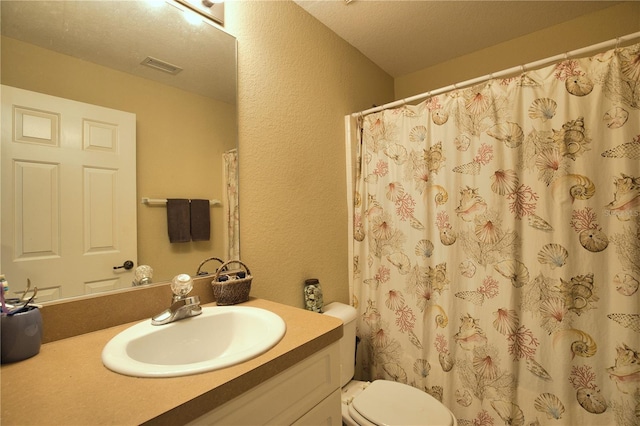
<point>381,402</point>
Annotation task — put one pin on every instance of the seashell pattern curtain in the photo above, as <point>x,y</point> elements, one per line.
<point>497,246</point>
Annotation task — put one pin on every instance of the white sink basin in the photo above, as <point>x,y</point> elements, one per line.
<point>219,337</point>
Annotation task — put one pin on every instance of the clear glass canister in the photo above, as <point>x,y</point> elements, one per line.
<point>313,295</point>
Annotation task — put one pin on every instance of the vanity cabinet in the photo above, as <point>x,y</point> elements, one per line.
<point>307,393</point>
<point>295,382</point>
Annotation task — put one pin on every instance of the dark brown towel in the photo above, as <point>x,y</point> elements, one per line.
<point>200,222</point>
<point>178,222</point>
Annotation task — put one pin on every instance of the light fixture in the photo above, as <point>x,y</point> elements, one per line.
<point>211,9</point>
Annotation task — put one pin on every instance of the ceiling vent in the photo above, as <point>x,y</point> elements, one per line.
<point>161,65</point>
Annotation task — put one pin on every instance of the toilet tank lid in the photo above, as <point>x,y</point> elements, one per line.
<point>341,311</point>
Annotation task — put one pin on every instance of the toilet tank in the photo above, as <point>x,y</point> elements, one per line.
<point>347,343</point>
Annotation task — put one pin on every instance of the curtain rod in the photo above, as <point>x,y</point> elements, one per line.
<point>503,73</point>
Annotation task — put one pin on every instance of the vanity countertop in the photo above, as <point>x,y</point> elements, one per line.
<point>67,384</point>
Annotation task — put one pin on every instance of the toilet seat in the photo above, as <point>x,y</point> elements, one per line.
<point>385,402</point>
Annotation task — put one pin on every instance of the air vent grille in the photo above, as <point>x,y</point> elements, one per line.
<point>161,65</point>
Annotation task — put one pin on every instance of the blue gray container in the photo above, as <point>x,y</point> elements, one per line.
<point>21,335</point>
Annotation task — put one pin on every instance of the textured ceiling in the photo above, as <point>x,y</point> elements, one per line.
<point>402,37</point>
<point>399,36</point>
<point>121,34</point>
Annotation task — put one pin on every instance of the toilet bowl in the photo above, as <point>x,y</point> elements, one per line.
<point>381,402</point>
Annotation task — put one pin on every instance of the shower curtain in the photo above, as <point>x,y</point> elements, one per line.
<point>496,246</point>
<point>232,220</point>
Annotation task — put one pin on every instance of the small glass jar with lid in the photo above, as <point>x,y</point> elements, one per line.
<point>313,295</point>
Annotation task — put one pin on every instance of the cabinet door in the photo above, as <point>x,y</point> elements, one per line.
<point>326,413</point>
<point>287,397</point>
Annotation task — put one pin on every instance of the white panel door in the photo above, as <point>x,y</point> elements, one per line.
<point>68,195</point>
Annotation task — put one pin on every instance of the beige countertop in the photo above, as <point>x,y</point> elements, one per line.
<point>66,383</point>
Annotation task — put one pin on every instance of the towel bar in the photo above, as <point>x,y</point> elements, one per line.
<point>163,201</point>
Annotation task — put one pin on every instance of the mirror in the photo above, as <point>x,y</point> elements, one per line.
<point>91,52</point>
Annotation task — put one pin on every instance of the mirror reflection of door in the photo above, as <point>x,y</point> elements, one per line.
<point>68,195</point>
<point>184,121</point>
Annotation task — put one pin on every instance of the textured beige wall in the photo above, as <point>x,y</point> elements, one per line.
<point>171,124</point>
<point>297,80</point>
<point>606,24</point>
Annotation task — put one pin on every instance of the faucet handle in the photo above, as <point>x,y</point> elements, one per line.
<point>181,285</point>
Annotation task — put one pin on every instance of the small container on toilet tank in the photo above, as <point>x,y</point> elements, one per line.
<point>313,295</point>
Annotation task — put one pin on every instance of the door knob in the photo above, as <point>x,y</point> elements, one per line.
<point>128,264</point>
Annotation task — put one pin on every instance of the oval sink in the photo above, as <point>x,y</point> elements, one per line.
<point>219,337</point>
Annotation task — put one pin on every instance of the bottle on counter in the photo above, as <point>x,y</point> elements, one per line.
<point>313,295</point>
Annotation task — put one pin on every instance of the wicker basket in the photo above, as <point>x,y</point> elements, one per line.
<point>198,272</point>
<point>233,291</point>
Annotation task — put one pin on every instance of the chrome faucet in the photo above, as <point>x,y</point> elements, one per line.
<point>182,306</point>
